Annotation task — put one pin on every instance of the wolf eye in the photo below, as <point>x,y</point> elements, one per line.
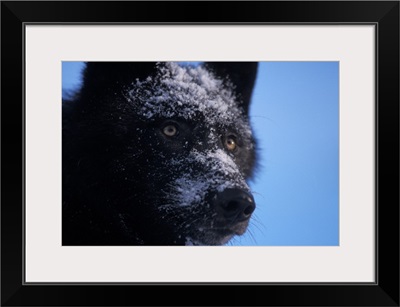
<point>230,143</point>
<point>170,130</point>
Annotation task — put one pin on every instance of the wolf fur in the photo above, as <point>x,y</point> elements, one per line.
<point>158,154</point>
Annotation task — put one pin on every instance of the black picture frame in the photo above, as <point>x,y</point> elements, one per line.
<point>383,14</point>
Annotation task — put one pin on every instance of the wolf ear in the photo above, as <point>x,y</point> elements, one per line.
<point>241,74</point>
<point>100,78</point>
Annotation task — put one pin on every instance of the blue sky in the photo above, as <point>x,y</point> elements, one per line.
<point>295,118</point>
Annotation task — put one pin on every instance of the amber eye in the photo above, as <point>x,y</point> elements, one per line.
<point>170,130</point>
<point>230,143</point>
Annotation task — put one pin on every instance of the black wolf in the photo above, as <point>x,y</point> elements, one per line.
<point>158,154</point>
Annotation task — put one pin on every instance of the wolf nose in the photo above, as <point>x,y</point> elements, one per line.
<point>235,205</point>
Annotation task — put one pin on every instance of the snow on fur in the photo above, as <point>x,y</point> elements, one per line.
<point>189,93</point>
<point>221,173</point>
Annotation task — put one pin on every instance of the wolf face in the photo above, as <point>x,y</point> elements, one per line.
<point>158,154</point>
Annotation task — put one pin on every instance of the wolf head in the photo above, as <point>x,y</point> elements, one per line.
<point>159,154</point>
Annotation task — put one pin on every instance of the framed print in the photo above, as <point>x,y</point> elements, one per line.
<point>254,152</point>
